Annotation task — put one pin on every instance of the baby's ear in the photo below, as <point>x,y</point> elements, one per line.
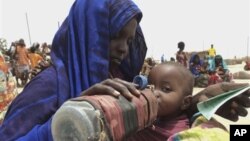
<point>186,102</point>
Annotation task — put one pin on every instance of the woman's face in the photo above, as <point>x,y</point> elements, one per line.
<point>119,44</point>
<point>218,61</point>
<point>196,59</point>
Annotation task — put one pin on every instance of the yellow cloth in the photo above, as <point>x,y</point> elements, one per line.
<point>203,134</point>
<point>203,130</point>
<point>212,52</point>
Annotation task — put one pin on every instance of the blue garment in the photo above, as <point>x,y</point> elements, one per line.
<point>193,66</point>
<point>80,53</point>
<point>212,65</point>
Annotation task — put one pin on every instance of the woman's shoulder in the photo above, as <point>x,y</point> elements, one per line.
<point>47,77</point>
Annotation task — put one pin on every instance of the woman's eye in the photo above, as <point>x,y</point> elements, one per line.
<point>129,41</point>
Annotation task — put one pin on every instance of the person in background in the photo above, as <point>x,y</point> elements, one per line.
<point>8,89</point>
<point>212,51</point>
<point>147,66</point>
<point>181,55</point>
<point>219,71</point>
<point>199,71</point>
<point>162,58</point>
<point>22,63</point>
<point>172,59</point>
<point>34,57</point>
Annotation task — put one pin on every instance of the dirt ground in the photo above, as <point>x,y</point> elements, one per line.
<point>242,120</point>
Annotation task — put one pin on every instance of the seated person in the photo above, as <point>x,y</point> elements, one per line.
<point>174,99</point>
<point>219,71</point>
<point>247,66</point>
<point>199,70</point>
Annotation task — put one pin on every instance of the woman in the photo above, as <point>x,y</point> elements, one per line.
<point>196,67</point>
<point>23,63</point>
<point>98,40</point>
<point>218,69</point>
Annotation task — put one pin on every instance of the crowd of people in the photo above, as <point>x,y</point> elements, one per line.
<point>100,53</point>
<point>22,60</point>
<point>207,70</point>
<point>16,66</point>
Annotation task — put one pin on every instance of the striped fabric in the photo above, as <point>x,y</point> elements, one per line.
<point>123,117</point>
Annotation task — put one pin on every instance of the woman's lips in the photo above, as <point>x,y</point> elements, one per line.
<point>116,60</point>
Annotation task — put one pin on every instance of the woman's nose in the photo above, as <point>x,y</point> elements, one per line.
<point>123,49</point>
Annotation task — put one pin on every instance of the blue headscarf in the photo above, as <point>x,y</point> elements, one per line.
<point>212,65</point>
<point>193,67</point>
<point>80,56</point>
<point>80,49</point>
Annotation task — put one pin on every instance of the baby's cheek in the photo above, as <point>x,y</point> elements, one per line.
<point>166,108</point>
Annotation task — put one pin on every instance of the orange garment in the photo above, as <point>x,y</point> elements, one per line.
<point>2,59</point>
<point>35,59</point>
<point>22,55</point>
<point>8,91</point>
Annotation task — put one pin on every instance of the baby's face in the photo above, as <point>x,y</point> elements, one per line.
<point>169,84</point>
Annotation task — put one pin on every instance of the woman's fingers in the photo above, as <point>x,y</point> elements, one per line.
<point>114,87</point>
<point>120,87</point>
<point>101,89</point>
<point>130,86</point>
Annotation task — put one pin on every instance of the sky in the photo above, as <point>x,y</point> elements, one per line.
<point>198,23</point>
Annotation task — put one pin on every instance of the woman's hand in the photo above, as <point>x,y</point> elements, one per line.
<point>230,110</point>
<point>114,87</point>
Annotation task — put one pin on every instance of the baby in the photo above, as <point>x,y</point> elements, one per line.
<point>173,87</point>
<point>173,90</point>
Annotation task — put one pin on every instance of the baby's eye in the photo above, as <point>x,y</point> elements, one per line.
<point>166,89</point>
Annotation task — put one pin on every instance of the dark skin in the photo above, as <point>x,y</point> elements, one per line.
<point>230,110</point>
<point>119,45</point>
<point>172,99</point>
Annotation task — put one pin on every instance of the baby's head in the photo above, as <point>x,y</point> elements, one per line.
<point>173,88</point>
